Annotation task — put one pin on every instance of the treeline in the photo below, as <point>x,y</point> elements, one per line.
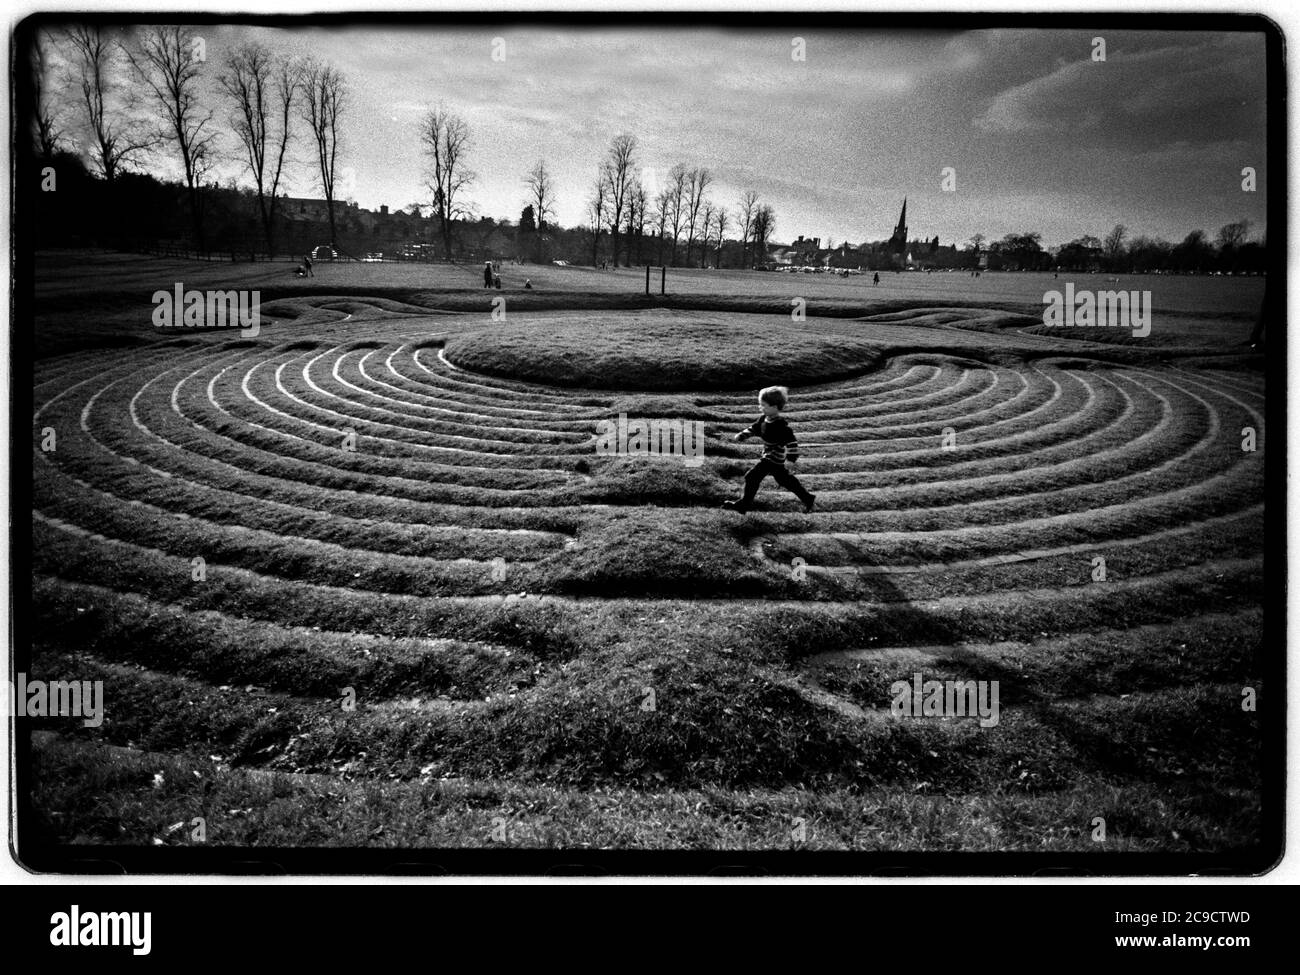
<point>1230,251</point>
<point>677,221</point>
<point>106,105</point>
<point>137,211</point>
<point>128,99</point>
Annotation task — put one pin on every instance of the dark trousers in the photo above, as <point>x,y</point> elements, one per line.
<point>782,477</point>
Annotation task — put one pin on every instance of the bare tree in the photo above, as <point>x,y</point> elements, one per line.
<point>325,95</point>
<point>541,193</point>
<point>644,215</point>
<point>763,228</point>
<point>264,88</point>
<point>699,180</point>
<point>678,179</point>
<point>1113,245</point>
<point>114,132</point>
<point>619,168</point>
<point>164,63</point>
<point>446,142</point>
<point>636,217</point>
<point>1232,235</point>
<point>706,230</point>
<point>662,217</point>
<point>748,205</point>
<point>720,221</point>
<point>977,242</point>
<point>597,207</point>
<point>541,196</point>
<point>46,131</point>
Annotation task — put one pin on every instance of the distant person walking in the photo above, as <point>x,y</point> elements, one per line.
<point>875,279</point>
<point>306,263</point>
<point>487,274</point>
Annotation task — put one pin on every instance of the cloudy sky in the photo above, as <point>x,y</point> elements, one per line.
<point>1041,136</point>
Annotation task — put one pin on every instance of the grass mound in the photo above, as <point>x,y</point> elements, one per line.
<point>654,480</point>
<point>713,720</point>
<point>669,407</point>
<point>661,350</point>
<point>645,552</point>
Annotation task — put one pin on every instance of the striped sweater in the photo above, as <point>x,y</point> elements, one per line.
<point>779,443</point>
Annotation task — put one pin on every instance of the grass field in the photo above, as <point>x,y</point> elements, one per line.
<point>397,499</point>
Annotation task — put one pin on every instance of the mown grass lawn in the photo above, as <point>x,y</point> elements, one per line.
<point>365,580</point>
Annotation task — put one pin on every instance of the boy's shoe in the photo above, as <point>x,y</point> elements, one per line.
<point>733,506</point>
<point>808,505</point>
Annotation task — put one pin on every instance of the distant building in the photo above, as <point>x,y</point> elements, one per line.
<point>305,208</point>
<point>354,219</point>
<point>807,251</point>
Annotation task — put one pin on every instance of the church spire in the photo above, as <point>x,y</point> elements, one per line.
<point>898,242</point>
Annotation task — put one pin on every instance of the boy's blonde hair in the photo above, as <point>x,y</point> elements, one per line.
<point>776,396</point>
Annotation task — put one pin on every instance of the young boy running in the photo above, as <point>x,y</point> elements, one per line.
<point>779,445</point>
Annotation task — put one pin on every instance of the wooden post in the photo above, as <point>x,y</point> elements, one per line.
<point>647,279</point>
<point>663,278</point>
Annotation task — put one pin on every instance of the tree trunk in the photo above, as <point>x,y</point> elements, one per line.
<point>269,232</point>
<point>196,217</point>
<point>444,231</point>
